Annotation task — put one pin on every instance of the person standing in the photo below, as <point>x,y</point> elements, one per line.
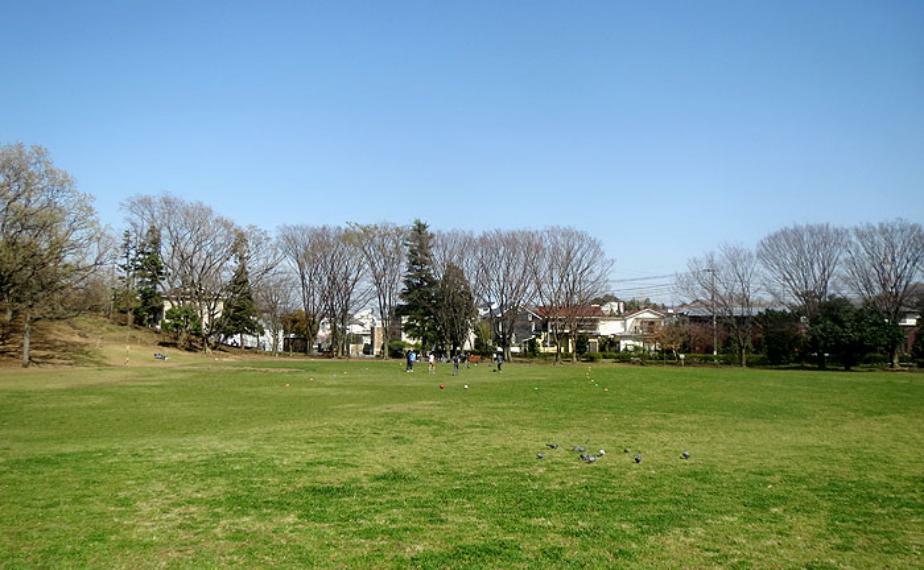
<point>455,363</point>
<point>409,358</point>
<point>431,363</point>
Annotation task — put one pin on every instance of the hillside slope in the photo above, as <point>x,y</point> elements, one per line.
<point>95,341</point>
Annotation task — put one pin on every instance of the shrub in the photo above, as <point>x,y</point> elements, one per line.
<point>396,348</point>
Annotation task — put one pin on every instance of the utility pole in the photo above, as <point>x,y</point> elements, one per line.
<point>715,334</point>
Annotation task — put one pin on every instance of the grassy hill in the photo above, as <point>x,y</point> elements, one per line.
<point>357,464</point>
<point>95,341</point>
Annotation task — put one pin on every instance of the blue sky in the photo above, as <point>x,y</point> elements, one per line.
<point>663,128</point>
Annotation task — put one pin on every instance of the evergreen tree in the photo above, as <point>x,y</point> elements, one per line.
<point>183,322</point>
<point>240,315</point>
<point>849,333</point>
<point>420,293</point>
<point>149,272</point>
<point>125,297</point>
<point>455,309</point>
<point>781,336</point>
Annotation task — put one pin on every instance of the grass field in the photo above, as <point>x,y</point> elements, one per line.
<point>333,464</point>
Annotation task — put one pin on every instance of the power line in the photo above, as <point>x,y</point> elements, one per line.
<point>636,279</point>
<point>673,276</point>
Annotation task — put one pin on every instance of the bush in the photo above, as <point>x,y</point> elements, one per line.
<point>396,348</point>
<point>600,356</point>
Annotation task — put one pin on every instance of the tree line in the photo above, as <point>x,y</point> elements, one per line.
<point>219,280</point>
<point>836,290</point>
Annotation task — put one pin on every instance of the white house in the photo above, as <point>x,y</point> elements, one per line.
<point>599,323</point>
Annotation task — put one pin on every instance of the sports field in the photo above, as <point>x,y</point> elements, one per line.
<point>357,464</point>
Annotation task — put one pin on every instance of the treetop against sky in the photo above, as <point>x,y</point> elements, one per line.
<point>663,129</point>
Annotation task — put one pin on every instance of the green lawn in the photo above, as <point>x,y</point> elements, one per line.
<point>333,464</point>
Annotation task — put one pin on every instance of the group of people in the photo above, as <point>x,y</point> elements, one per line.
<point>459,358</point>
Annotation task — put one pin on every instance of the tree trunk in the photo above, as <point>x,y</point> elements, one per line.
<point>26,340</point>
<point>384,341</point>
<point>557,348</point>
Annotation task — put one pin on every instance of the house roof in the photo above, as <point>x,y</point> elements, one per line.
<point>642,310</point>
<point>586,311</point>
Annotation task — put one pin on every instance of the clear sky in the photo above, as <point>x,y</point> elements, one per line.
<point>663,128</point>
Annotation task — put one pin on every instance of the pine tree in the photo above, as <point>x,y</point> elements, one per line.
<point>240,315</point>
<point>149,272</point>
<point>420,293</point>
<point>125,297</point>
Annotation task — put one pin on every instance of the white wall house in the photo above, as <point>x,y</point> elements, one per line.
<point>634,330</point>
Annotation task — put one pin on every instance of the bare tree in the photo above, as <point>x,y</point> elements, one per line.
<point>262,254</point>
<point>569,269</point>
<point>51,244</point>
<point>801,262</point>
<point>304,248</point>
<point>275,298</point>
<point>382,249</point>
<point>198,250</point>
<point>882,264</point>
<point>729,281</point>
<point>343,270</point>
<point>502,279</point>
<point>455,247</point>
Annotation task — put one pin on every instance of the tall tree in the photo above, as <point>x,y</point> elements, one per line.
<point>455,309</point>
<point>801,262</point>
<point>50,241</point>
<point>303,247</point>
<point>239,314</point>
<point>382,248</point>
<point>125,294</point>
<point>343,273</point>
<point>198,253</point>
<point>883,262</point>
<point>420,293</point>
<point>569,269</point>
<point>148,275</point>
<point>502,280</point>
<point>274,298</point>
<point>728,282</point>
<point>457,247</point>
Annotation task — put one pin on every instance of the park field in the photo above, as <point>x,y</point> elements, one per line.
<point>357,464</point>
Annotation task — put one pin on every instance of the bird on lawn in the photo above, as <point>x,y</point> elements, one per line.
<point>552,445</point>
<point>626,450</point>
<point>685,455</point>
<point>540,456</point>
<point>638,457</point>
<point>578,448</point>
